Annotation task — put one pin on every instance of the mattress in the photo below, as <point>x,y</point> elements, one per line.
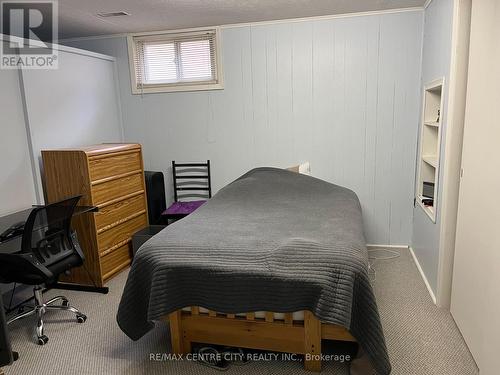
<point>272,240</point>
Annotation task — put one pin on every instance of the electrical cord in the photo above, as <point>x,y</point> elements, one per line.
<point>8,308</point>
<point>20,304</point>
<point>393,254</point>
<point>12,296</point>
<point>372,272</point>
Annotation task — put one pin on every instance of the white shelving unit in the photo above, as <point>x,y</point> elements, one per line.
<point>430,143</point>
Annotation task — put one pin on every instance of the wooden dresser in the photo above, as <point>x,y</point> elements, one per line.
<point>109,176</point>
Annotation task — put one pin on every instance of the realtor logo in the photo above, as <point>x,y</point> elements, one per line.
<point>29,30</point>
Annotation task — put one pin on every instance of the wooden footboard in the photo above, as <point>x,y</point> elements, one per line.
<point>283,335</point>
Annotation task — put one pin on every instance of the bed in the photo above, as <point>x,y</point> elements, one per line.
<point>287,246</point>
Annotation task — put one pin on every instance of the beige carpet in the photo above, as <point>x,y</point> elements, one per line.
<point>421,338</point>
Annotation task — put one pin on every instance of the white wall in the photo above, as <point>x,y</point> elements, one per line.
<point>75,105</point>
<point>436,58</point>
<point>16,179</point>
<point>342,93</point>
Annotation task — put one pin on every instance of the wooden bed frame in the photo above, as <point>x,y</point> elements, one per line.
<point>285,335</point>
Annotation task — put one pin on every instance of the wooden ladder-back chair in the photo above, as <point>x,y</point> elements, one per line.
<point>191,182</point>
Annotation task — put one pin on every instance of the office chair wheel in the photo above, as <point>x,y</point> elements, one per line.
<point>81,318</point>
<point>42,340</point>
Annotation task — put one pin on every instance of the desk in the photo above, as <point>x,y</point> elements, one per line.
<point>14,244</point>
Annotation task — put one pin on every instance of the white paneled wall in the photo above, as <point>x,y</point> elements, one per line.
<point>342,93</point>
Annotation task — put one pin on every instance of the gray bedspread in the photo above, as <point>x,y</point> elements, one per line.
<point>272,240</point>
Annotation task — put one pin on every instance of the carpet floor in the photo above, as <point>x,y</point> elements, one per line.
<point>421,338</point>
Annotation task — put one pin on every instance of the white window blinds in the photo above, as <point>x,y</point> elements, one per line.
<point>175,60</point>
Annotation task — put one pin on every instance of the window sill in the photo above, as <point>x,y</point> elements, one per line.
<point>173,88</point>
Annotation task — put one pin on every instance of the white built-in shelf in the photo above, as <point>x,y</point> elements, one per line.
<point>430,144</point>
<point>432,160</point>
<point>432,123</point>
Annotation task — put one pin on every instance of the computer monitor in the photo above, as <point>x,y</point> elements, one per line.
<point>6,354</point>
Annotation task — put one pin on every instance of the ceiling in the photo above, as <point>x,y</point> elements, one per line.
<point>79,18</point>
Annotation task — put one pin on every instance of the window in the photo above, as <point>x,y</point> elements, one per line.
<point>182,61</point>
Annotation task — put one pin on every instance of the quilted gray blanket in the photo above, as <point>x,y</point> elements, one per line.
<point>272,240</point>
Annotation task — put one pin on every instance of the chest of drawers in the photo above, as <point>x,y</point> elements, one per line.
<point>111,177</point>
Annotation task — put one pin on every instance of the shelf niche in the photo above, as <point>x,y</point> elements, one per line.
<point>430,145</point>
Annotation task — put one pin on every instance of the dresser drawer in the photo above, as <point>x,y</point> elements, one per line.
<point>111,190</point>
<point>115,261</point>
<point>119,211</point>
<point>109,166</point>
<point>120,233</point>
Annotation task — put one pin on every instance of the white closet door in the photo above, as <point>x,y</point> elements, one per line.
<point>476,276</point>
<point>16,175</point>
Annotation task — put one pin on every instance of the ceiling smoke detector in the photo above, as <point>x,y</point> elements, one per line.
<point>119,13</point>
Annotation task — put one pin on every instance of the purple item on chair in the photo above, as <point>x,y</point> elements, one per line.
<point>182,208</point>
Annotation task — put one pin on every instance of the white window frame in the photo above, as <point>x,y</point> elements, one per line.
<point>173,87</point>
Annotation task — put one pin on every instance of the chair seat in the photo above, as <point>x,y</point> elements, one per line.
<point>183,208</point>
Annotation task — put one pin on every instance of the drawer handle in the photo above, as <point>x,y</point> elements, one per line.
<point>116,246</point>
<point>121,221</point>
<point>113,201</point>
<point>126,176</point>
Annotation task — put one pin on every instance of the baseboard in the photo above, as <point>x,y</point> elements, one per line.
<point>371,246</point>
<point>429,289</point>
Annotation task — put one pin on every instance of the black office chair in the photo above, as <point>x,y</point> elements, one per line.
<point>49,248</point>
<point>191,182</point>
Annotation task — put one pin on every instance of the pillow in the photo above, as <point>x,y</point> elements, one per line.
<point>304,168</point>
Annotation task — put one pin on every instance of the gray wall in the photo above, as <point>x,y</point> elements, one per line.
<point>342,93</point>
<point>436,59</point>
